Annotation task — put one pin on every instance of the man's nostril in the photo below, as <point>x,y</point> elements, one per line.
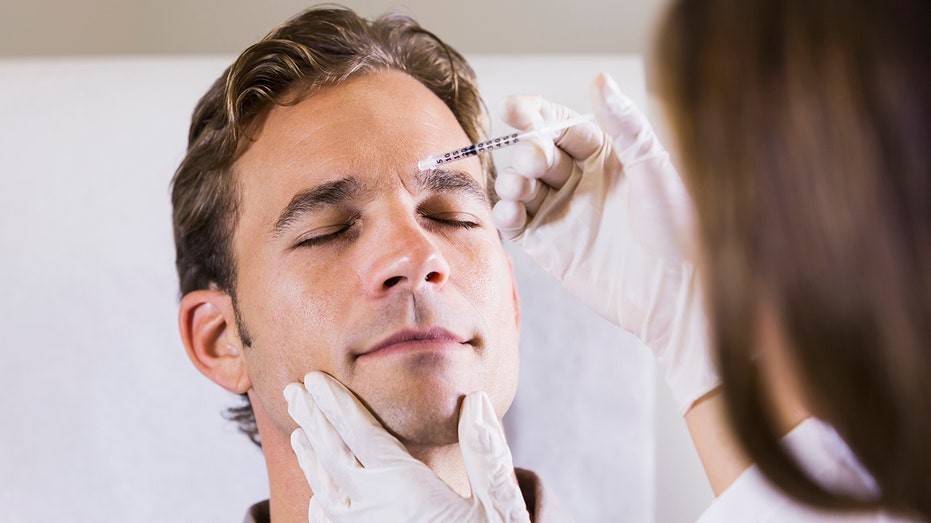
<point>434,277</point>
<point>391,282</point>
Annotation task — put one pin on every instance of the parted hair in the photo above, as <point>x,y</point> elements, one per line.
<point>321,47</point>
<point>805,134</point>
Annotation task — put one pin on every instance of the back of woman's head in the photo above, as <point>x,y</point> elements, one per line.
<point>805,134</point>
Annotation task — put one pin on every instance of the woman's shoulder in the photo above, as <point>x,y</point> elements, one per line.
<point>825,457</point>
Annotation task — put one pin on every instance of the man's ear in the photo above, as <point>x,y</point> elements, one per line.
<point>207,323</point>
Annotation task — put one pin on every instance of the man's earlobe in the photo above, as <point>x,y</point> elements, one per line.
<point>207,323</point>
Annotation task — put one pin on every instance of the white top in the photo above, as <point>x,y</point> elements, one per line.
<point>825,457</point>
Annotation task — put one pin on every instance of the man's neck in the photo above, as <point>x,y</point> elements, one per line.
<point>289,493</point>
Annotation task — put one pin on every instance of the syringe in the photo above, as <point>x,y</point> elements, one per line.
<point>548,130</point>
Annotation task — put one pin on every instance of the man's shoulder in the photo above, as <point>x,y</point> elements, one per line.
<point>542,505</point>
<point>258,513</point>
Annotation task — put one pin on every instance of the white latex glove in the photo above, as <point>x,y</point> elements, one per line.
<point>606,213</point>
<point>361,473</point>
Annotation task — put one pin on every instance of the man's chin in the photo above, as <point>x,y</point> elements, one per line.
<point>417,399</point>
<point>422,421</point>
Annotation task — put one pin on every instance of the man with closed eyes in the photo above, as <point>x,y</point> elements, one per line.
<point>308,240</point>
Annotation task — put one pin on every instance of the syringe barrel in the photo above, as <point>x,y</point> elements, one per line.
<point>547,131</point>
<point>471,150</point>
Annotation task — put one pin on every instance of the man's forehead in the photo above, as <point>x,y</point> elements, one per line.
<point>376,140</point>
<point>387,113</point>
<point>387,96</point>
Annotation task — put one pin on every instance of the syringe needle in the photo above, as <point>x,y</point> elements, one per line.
<point>547,130</point>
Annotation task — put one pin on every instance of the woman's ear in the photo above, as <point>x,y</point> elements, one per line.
<point>207,323</point>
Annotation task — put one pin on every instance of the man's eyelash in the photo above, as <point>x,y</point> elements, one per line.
<point>317,240</point>
<point>324,238</point>
<point>337,234</point>
<point>456,223</point>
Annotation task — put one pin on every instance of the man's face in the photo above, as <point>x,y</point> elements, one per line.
<point>353,262</point>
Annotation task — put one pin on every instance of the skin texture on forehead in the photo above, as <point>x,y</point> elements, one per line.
<point>319,306</point>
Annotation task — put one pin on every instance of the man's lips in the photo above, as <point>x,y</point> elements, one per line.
<point>435,338</point>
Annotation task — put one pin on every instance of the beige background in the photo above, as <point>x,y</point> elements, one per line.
<point>69,27</point>
<point>44,28</point>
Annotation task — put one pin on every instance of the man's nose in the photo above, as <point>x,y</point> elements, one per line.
<point>404,259</point>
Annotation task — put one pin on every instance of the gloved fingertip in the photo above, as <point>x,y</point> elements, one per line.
<point>314,381</point>
<point>475,402</point>
<point>512,186</point>
<point>532,157</point>
<point>324,388</point>
<point>291,390</point>
<point>323,393</point>
<point>606,91</point>
<point>607,84</point>
<point>479,426</point>
<point>295,394</point>
<point>509,217</point>
<point>298,405</point>
<point>518,110</point>
<point>485,409</point>
<point>611,106</point>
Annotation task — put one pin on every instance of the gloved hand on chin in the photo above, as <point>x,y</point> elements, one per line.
<point>605,212</point>
<point>361,473</point>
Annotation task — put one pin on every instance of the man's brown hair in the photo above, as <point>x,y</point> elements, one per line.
<point>805,130</point>
<point>320,47</point>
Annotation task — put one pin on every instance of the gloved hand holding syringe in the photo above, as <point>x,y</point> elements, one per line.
<point>603,210</point>
<point>546,131</point>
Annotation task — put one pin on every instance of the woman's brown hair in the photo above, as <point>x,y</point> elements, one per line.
<point>323,46</point>
<point>805,133</point>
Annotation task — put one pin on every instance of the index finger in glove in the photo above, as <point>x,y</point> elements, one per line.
<point>633,136</point>
<point>372,445</point>
<point>537,159</point>
<point>327,490</point>
<point>509,218</point>
<point>328,464</point>
<point>525,111</point>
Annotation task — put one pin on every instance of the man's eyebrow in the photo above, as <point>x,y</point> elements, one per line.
<point>328,193</point>
<point>445,180</point>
